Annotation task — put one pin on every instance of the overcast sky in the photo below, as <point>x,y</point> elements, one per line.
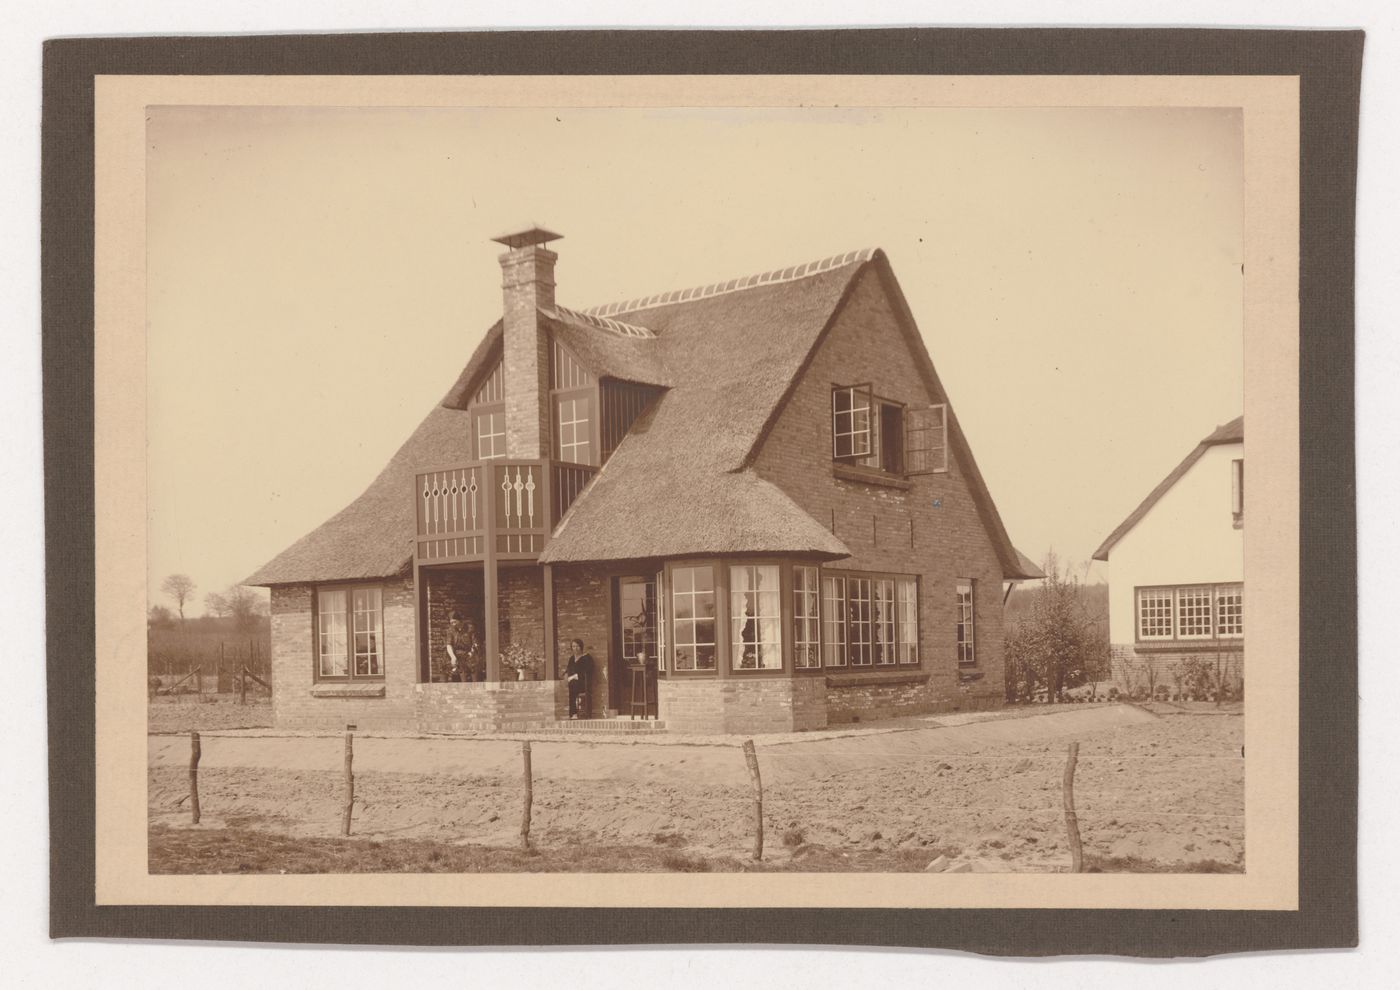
<point>317,279</point>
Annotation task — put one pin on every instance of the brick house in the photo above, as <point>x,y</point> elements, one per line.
<point>1176,585</point>
<point>751,500</point>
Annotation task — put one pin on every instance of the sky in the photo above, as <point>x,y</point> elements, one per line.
<point>318,277</point>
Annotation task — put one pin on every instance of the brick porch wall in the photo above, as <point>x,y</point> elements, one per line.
<point>485,707</point>
<point>300,702</point>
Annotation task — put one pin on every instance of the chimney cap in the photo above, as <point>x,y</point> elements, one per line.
<point>530,237</point>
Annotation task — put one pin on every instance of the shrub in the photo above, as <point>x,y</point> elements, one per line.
<point>794,837</point>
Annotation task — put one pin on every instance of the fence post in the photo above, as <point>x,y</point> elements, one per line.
<point>194,778</point>
<point>242,684</point>
<point>529,795</point>
<point>349,782</point>
<point>751,758</point>
<point>1076,851</point>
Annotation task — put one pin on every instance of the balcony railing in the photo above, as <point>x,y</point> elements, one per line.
<point>501,508</point>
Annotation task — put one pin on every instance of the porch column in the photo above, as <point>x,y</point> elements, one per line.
<point>551,645</point>
<point>491,594</point>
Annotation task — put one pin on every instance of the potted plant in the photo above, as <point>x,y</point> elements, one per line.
<point>521,658</point>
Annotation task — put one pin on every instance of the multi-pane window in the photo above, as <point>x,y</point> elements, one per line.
<point>637,614</point>
<point>926,440</point>
<point>834,621</point>
<point>908,615</point>
<point>574,435</point>
<point>858,625</point>
<point>1155,613</point>
<point>805,618</point>
<point>869,619</point>
<point>349,632</point>
<point>966,622</point>
<point>490,434</point>
<point>693,610</point>
<point>755,615</point>
<point>883,620</point>
<point>1229,610</point>
<point>1191,612</point>
<point>851,434</point>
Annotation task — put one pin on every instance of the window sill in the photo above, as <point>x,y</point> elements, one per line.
<point>1192,646</point>
<point>884,677</point>
<point>869,476</point>
<point>348,691</point>
<point>967,674</point>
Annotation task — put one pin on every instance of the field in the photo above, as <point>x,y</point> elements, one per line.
<point>203,713</point>
<point>1154,792</point>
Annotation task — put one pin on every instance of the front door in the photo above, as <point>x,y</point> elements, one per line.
<point>634,640</point>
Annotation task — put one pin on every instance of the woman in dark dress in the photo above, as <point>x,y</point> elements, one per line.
<point>578,675</point>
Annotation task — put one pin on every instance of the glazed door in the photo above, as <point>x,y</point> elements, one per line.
<point>635,640</point>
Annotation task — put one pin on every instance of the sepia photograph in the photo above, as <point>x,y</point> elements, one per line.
<point>717,489</point>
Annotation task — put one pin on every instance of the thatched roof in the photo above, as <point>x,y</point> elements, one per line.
<point>1231,432</point>
<point>727,356</point>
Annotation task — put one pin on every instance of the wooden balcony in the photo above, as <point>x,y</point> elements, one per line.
<point>497,510</point>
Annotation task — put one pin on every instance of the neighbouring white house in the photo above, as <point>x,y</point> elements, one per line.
<point>1176,575</point>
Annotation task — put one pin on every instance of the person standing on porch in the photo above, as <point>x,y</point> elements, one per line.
<point>464,650</point>
<point>578,674</point>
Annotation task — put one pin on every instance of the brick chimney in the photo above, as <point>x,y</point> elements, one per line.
<point>527,278</point>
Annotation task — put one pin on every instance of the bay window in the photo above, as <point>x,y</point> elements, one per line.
<point>693,618</point>
<point>869,620</point>
<point>833,621</point>
<point>755,615</point>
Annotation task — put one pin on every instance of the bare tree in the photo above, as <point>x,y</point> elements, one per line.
<point>180,588</point>
<point>216,604</point>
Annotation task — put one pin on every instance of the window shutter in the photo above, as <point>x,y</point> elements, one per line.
<point>926,440</point>
<point>1237,487</point>
<point>852,407</point>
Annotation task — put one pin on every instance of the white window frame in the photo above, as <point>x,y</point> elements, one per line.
<point>1228,590</point>
<point>746,585</point>
<point>576,450</point>
<point>965,592</point>
<point>1158,595</point>
<point>806,617</point>
<point>846,424</point>
<point>482,417</point>
<point>348,648</point>
<point>1195,593</point>
<point>691,623</point>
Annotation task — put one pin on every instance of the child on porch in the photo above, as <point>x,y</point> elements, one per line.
<point>578,673</point>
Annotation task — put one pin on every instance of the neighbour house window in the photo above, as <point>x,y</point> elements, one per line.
<point>806,627</point>
<point>693,608</point>
<point>926,440</point>
<point>869,619</point>
<point>1154,613</point>
<point>1190,612</point>
<point>1193,613</point>
<point>966,622</point>
<point>574,429</point>
<point>1229,610</point>
<point>755,609</point>
<point>834,621</point>
<point>1237,488</point>
<point>349,632</point>
<point>490,429</point>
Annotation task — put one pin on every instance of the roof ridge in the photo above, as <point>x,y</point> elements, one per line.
<point>788,274</point>
<point>604,323</point>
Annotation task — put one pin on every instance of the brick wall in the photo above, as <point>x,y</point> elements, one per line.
<point>528,280</point>
<point>484,707</point>
<point>299,701</point>
<point>582,610</point>
<point>888,529</point>
<point>742,705</point>
<point>863,698</point>
<point>448,591</point>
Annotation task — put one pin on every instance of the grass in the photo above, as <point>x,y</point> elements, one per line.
<point>242,850</point>
<point>1133,864</point>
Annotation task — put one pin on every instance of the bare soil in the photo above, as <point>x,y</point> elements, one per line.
<point>1153,792</point>
<point>207,713</point>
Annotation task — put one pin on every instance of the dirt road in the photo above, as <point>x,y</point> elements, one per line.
<point>1161,789</point>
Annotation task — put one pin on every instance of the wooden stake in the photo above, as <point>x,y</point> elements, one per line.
<point>242,684</point>
<point>194,778</point>
<point>349,781</point>
<point>529,795</point>
<point>751,758</point>
<point>1076,851</point>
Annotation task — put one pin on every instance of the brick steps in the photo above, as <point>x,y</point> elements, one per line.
<point>590,726</point>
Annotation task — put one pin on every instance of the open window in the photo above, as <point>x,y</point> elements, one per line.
<point>926,440</point>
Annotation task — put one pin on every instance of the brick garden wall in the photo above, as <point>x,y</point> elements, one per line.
<point>299,702</point>
<point>888,529</point>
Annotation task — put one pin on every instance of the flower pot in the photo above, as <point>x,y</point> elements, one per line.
<point>520,674</point>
